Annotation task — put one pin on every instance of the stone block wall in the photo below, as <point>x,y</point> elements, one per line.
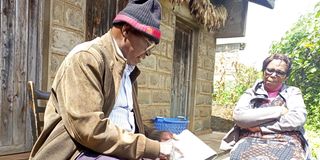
<point>204,78</point>
<point>227,56</point>
<point>67,29</point>
<point>156,79</point>
<point>156,73</point>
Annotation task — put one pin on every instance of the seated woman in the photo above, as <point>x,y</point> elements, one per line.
<point>269,117</point>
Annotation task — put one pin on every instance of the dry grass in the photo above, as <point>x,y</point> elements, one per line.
<point>212,17</point>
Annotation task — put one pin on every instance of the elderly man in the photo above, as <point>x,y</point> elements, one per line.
<point>93,110</point>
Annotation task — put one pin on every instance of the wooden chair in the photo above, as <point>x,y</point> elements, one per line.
<point>37,97</point>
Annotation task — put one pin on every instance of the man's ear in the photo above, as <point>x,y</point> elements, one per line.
<point>125,30</point>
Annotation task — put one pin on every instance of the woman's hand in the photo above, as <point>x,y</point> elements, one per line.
<point>254,129</point>
<point>284,110</point>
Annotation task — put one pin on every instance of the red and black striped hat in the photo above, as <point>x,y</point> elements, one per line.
<point>144,16</point>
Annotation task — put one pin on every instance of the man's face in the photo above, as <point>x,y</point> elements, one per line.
<point>139,47</point>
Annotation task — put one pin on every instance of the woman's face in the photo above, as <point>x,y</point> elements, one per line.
<point>275,74</point>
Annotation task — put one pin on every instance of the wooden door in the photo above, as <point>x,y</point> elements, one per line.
<point>100,14</point>
<point>181,70</point>
<point>19,59</point>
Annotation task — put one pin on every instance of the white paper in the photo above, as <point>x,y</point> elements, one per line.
<point>191,147</point>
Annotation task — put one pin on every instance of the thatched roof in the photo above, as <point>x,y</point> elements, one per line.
<point>212,16</point>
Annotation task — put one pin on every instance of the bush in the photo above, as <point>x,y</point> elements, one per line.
<point>302,44</point>
<point>227,93</point>
<point>314,143</point>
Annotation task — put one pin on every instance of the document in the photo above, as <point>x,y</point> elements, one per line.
<point>189,147</point>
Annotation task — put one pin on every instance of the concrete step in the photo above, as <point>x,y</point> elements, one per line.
<point>213,140</point>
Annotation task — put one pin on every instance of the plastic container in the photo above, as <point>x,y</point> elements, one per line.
<point>174,125</point>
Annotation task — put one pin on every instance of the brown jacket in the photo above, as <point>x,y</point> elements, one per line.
<point>82,96</point>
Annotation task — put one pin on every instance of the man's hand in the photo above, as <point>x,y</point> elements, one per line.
<point>165,136</point>
<point>165,149</point>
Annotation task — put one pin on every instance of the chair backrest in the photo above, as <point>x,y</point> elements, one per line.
<point>37,97</point>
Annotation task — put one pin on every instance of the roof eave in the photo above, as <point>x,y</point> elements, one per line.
<point>265,3</point>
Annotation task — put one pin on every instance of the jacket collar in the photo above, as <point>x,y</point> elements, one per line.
<point>119,62</point>
<point>258,89</point>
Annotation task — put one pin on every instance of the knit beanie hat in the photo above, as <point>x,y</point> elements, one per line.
<point>144,16</point>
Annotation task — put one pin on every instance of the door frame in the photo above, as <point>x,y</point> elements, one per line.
<point>192,62</point>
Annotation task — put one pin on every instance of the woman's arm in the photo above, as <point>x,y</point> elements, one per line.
<point>245,116</point>
<point>294,118</point>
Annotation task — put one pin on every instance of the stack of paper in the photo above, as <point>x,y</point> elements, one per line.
<point>190,147</point>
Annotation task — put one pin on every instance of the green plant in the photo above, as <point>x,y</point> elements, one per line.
<point>314,143</point>
<point>302,44</point>
<point>227,93</point>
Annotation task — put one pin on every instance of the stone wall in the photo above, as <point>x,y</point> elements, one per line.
<point>67,29</point>
<point>227,55</point>
<point>155,81</point>
<point>204,80</point>
<point>156,73</point>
